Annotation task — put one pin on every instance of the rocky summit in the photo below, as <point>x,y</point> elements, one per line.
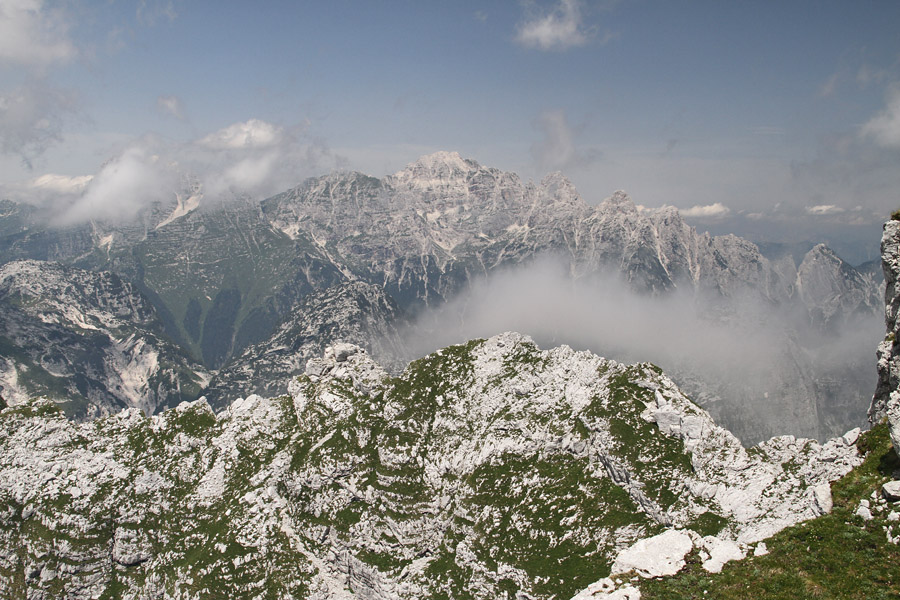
<point>485,470</point>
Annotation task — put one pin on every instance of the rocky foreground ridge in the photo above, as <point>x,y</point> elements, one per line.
<point>487,470</point>
<point>886,401</point>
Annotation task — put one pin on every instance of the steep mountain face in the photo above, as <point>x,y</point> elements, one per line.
<point>354,312</point>
<point>426,233</point>
<point>444,218</point>
<point>87,340</point>
<point>223,277</point>
<point>25,235</point>
<point>487,470</point>
<point>219,276</point>
<point>231,279</point>
<point>831,289</point>
<point>430,228</point>
<point>886,401</point>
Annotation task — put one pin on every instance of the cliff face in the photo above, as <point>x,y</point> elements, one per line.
<point>886,401</point>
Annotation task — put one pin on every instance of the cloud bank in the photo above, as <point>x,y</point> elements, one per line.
<point>251,134</point>
<point>710,211</point>
<point>754,358</point>
<point>252,158</point>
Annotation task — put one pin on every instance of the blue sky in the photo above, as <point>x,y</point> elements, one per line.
<point>758,112</point>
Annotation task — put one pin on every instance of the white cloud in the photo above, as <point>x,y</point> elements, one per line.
<point>869,74</point>
<point>828,88</point>
<point>559,29</point>
<point>170,105</point>
<point>251,172</point>
<point>709,211</point>
<point>61,184</point>
<point>884,128</point>
<point>768,130</point>
<point>31,119</point>
<point>248,157</point>
<point>122,187</point>
<point>32,35</point>
<point>253,158</point>
<point>824,209</point>
<point>557,150</point>
<point>251,134</point>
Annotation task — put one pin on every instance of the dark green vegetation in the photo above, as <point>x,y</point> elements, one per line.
<point>838,556</point>
<point>221,278</point>
<point>661,460</point>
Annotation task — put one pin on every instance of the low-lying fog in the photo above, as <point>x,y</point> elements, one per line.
<point>760,369</point>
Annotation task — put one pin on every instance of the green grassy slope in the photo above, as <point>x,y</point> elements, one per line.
<point>837,556</point>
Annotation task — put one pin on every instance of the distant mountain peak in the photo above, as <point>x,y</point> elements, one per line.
<point>443,158</point>
<point>559,187</point>
<point>437,167</point>
<point>619,201</point>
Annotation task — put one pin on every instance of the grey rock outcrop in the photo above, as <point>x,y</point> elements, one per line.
<point>88,340</point>
<point>356,312</point>
<point>886,401</point>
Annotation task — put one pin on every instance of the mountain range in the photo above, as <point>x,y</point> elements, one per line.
<point>248,291</point>
<point>137,461</point>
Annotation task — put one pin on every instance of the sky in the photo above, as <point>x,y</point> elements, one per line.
<point>776,120</point>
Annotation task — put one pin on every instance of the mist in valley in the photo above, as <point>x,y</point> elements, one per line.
<point>760,369</point>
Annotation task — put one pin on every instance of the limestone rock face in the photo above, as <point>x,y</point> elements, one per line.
<point>656,556</point>
<point>354,312</point>
<point>886,401</point>
<point>88,340</point>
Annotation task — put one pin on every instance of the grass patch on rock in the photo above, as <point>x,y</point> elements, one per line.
<point>836,556</point>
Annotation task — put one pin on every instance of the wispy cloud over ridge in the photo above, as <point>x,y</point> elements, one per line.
<point>122,187</point>
<point>251,158</point>
<point>715,210</point>
<point>558,29</point>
